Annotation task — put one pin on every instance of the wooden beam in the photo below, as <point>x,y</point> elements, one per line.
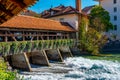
<point>32,38</point>
<point>2,8</point>
<point>12,36</point>
<point>6,38</point>
<point>19,3</point>
<point>27,62</point>
<point>23,35</point>
<point>37,35</point>
<point>3,18</point>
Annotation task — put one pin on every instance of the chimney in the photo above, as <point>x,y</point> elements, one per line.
<point>78,5</point>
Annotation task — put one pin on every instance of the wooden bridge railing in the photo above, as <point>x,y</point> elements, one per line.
<point>10,48</point>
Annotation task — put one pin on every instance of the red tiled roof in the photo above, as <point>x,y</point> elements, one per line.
<point>28,22</point>
<point>60,10</point>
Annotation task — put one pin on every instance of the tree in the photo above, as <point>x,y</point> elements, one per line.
<point>91,40</point>
<point>100,19</point>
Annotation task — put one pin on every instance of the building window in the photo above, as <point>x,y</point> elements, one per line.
<point>115,27</point>
<point>115,18</point>
<point>114,1</point>
<point>115,9</point>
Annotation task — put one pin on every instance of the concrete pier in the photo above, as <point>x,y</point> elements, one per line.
<point>39,58</point>
<point>65,52</point>
<point>20,61</point>
<point>54,55</point>
<point>23,61</point>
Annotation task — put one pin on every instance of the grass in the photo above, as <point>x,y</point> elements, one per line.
<point>109,57</point>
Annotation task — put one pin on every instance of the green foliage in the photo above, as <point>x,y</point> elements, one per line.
<point>40,46</point>
<point>15,47</point>
<point>51,44</point>
<point>44,44</point>
<point>29,46</point>
<point>100,19</point>
<point>90,40</point>
<point>36,44</point>
<point>6,48</point>
<point>4,73</point>
<point>22,46</point>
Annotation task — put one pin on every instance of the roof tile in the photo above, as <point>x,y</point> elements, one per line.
<point>28,22</point>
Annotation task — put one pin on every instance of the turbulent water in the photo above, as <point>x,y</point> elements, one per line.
<point>82,69</point>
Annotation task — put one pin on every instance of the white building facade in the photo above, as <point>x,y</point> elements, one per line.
<point>72,19</point>
<point>113,7</point>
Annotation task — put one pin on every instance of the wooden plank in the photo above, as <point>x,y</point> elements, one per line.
<point>2,8</point>
<point>6,38</point>
<point>12,36</point>
<point>70,52</point>
<point>3,18</point>
<point>19,3</point>
<point>27,62</point>
<point>60,55</point>
<point>23,36</point>
<point>46,57</point>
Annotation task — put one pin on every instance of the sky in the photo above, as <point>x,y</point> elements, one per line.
<point>42,5</point>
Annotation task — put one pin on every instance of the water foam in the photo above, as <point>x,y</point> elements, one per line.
<point>83,69</point>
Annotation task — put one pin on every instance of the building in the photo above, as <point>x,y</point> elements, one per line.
<point>27,28</point>
<point>113,7</point>
<point>30,13</point>
<point>10,8</point>
<point>87,9</point>
<point>65,14</point>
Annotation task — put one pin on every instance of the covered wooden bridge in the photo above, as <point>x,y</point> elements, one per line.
<point>25,40</point>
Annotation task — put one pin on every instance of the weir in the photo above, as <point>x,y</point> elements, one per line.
<point>43,57</point>
<point>41,54</point>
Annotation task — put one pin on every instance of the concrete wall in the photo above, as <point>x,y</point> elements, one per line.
<point>39,58</point>
<point>65,52</point>
<point>54,55</point>
<point>20,61</point>
<point>72,19</point>
<point>109,6</point>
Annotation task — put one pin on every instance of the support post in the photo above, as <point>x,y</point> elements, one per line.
<point>60,55</point>
<point>27,61</point>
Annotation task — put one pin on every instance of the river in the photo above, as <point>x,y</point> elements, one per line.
<point>82,68</point>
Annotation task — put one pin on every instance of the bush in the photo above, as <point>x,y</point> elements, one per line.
<point>14,47</point>
<point>36,43</point>
<point>22,46</point>
<point>4,73</point>
<point>29,46</point>
<point>40,46</point>
<point>90,40</point>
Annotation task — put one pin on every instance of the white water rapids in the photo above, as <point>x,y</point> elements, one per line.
<point>82,69</point>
